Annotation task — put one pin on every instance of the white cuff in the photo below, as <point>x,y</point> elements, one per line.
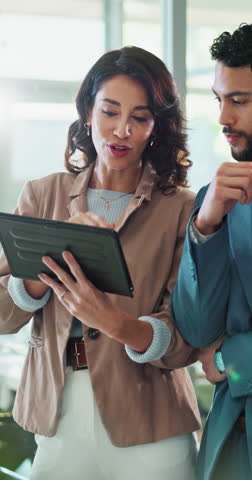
<point>195,235</point>
<point>160,342</point>
<point>22,299</point>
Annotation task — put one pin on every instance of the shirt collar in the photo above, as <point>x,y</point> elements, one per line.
<point>144,188</point>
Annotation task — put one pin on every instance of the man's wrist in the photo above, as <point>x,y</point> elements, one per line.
<point>204,228</point>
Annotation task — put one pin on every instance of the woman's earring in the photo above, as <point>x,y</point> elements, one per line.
<point>88,129</point>
<point>152,140</point>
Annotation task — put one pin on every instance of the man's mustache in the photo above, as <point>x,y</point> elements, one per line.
<point>230,131</point>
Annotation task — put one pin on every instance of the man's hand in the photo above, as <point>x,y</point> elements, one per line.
<point>206,357</point>
<point>232,184</point>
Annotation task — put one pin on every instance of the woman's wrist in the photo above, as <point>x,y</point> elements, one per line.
<point>160,342</point>
<point>35,289</point>
<point>132,331</point>
<point>21,297</point>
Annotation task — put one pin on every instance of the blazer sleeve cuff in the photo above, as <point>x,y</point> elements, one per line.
<point>22,299</point>
<point>160,342</point>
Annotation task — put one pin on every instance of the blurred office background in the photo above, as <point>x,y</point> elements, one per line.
<point>46,48</point>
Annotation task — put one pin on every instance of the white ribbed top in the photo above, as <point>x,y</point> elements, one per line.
<point>116,202</point>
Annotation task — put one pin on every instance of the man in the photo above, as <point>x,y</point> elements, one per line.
<point>212,301</point>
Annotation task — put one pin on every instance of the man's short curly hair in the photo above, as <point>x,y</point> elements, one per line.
<point>234,50</point>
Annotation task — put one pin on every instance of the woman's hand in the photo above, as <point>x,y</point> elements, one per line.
<point>79,296</point>
<point>206,357</point>
<point>90,218</point>
<point>93,307</point>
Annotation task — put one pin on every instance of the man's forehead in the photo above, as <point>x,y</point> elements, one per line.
<point>232,79</point>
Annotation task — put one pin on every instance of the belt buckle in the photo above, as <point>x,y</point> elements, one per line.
<point>76,364</point>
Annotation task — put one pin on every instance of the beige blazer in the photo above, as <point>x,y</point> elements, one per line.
<point>138,403</point>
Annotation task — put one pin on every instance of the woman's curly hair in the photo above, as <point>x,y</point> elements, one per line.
<point>234,50</point>
<point>166,150</point>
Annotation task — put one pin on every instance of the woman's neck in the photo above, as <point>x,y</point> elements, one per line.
<point>125,181</point>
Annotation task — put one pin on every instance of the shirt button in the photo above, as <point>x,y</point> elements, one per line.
<point>93,333</point>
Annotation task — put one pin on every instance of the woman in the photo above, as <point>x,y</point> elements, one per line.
<point>130,175</point>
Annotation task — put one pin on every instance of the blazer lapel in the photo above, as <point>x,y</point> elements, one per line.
<point>78,193</point>
<point>240,235</point>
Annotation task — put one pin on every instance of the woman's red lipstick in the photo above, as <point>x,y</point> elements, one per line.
<point>119,150</point>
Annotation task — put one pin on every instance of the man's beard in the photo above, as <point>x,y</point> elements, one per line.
<point>246,154</point>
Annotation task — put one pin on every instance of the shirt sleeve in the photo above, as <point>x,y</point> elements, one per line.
<point>194,233</point>
<point>160,342</point>
<point>22,299</point>
<point>201,293</point>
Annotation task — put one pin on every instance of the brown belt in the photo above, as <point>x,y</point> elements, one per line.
<point>241,422</point>
<point>76,353</point>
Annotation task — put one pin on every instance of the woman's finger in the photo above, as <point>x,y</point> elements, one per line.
<point>91,219</point>
<point>59,289</point>
<point>75,268</point>
<point>97,220</point>
<point>84,221</point>
<point>59,272</point>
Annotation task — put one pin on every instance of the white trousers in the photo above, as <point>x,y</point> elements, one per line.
<point>81,449</point>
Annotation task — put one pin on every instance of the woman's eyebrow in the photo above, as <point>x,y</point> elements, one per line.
<point>114,102</point>
<point>109,100</point>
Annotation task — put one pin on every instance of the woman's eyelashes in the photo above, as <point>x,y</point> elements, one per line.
<point>140,119</point>
<point>110,113</point>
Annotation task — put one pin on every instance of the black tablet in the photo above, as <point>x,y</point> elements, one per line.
<point>98,251</point>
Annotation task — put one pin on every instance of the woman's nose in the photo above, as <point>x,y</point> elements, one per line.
<point>122,129</point>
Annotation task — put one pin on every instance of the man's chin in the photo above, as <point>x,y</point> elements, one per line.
<point>243,156</point>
